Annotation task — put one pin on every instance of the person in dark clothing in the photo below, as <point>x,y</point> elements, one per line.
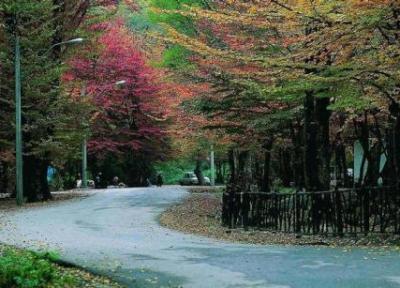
<point>98,181</point>
<point>160,180</point>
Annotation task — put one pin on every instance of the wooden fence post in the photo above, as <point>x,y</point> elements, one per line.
<point>245,209</point>
<point>339,212</point>
<point>365,193</point>
<point>297,213</point>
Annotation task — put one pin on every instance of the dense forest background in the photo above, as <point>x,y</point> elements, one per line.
<point>288,94</point>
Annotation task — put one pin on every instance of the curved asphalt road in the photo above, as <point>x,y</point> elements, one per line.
<point>115,232</point>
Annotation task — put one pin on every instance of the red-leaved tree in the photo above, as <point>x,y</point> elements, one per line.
<point>127,95</point>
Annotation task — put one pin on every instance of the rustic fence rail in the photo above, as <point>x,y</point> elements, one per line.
<point>338,212</point>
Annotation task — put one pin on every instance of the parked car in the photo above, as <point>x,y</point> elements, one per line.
<point>189,178</point>
<point>207,181</point>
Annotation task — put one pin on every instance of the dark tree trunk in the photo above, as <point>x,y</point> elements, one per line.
<point>393,144</point>
<point>247,173</point>
<point>3,178</point>
<point>311,174</point>
<point>324,150</point>
<point>243,177</point>
<point>220,172</point>
<point>341,164</point>
<point>199,172</point>
<point>35,179</point>
<point>285,167</point>
<point>298,157</point>
<point>30,180</point>
<point>317,152</point>
<point>233,165</point>
<point>266,183</point>
<point>317,155</point>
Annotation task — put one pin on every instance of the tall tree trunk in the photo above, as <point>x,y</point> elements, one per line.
<point>317,155</point>
<point>220,172</point>
<point>317,152</point>
<point>285,166</point>
<point>341,164</point>
<point>3,177</point>
<point>266,184</point>
<point>298,157</point>
<point>311,174</point>
<point>199,172</point>
<point>393,145</point>
<point>233,166</point>
<point>322,116</point>
<point>35,179</point>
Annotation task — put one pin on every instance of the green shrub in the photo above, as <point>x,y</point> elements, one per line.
<point>31,270</point>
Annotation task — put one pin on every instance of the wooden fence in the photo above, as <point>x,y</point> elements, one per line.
<point>338,212</point>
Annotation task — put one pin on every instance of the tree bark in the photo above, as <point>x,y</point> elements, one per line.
<point>341,164</point>
<point>324,150</point>
<point>220,172</point>
<point>35,179</point>
<point>199,172</point>
<point>298,157</point>
<point>266,184</point>
<point>311,176</point>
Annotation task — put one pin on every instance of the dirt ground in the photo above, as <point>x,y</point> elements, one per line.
<point>9,204</point>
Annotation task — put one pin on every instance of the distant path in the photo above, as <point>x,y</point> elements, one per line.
<point>116,232</point>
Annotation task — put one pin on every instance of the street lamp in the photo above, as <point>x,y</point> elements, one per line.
<point>120,83</point>
<point>18,115</point>
<point>68,42</point>
<point>212,164</point>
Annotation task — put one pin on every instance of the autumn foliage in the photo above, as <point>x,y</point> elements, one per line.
<point>124,91</point>
<point>299,80</point>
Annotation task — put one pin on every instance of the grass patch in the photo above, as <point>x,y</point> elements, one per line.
<point>26,269</point>
<point>31,270</point>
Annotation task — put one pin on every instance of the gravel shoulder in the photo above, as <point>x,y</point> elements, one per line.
<point>8,204</point>
<point>199,213</point>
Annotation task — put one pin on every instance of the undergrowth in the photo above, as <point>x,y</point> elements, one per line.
<point>25,269</point>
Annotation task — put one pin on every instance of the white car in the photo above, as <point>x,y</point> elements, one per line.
<point>191,179</point>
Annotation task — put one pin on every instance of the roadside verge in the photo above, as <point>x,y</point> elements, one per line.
<point>200,214</point>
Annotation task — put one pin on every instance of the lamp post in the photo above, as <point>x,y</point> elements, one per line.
<point>84,151</point>
<point>212,160</point>
<point>18,124</point>
<point>18,116</point>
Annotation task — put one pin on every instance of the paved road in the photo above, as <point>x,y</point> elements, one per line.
<point>116,232</point>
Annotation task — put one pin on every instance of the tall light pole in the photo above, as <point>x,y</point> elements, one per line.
<point>18,125</point>
<point>212,160</point>
<point>84,150</point>
<point>18,116</point>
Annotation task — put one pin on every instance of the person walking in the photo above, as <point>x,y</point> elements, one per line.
<point>160,180</point>
<point>98,181</point>
<point>115,181</point>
